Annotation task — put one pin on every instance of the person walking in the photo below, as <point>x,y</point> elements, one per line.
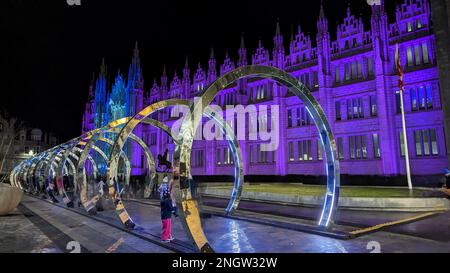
<point>166,217</point>
<point>100,186</point>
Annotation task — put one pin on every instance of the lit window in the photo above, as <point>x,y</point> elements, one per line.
<point>291,151</point>
<point>402,144</point>
<point>433,140</point>
<point>426,142</point>
<point>376,146</point>
<point>417,55</point>
<point>369,67</point>
<point>338,110</point>
<point>373,106</point>
<point>409,56</point>
<point>418,142</point>
<point>426,58</point>
<point>290,118</point>
<point>409,27</point>
<point>319,150</point>
<point>340,147</point>
<point>337,78</point>
<point>414,104</point>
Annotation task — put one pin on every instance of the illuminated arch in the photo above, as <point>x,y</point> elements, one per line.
<point>142,117</point>
<point>190,215</point>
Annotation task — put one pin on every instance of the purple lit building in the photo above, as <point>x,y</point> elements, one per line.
<point>353,78</point>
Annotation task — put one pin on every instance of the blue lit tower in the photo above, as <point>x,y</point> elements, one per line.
<point>135,92</point>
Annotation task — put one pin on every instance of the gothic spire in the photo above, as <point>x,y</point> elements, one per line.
<point>242,41</point>
<point>103,68</point>
<point>277,30</point>
<point>322,23</point>
<point>322,13</point>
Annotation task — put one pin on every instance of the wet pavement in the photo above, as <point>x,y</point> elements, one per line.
<point>425,228</point>
<point>224,234</point>
<point>19,235</point>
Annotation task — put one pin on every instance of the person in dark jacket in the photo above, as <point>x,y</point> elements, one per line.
<point>166,217</point>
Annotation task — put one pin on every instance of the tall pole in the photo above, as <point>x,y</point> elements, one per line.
<point>405,139</point>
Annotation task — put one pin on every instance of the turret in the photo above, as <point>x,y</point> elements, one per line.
<point>242,53</point>
<point>278,50</point>
<point>212,70</point>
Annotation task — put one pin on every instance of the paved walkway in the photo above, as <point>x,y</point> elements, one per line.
<point>66,226</point>
<point>225,235</point>
<point>435,228</point>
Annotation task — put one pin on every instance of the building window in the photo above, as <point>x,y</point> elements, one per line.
<point>426,142</point>
<point>409,27</point>
<point>421,98</point>
<point>315,79</point>
<point>373,106</point>
<point>402,144</point>
<point>347,72</point>
<point>251,155</point>
<point>355,108</point>
<point>418,142</point>
<point>398,106</point>
<point>409,56</point>
<point>369,67</point>
<point>414,104</point>
<point>305,150</point>
<point>319,150</point>
<point>218,157</point>
<point>227,156</point>
<point>338,110</point>
<point>358,147</point>
<point>153,139</point>
<point>376,146</point>
<point>433,141</point>
<point>429,97</point>
<point>417,55</point>
<point>354,71</point>
<point>289,118</point>
<point>359,70</point>
<point>337,78</point>
<point>198,159</point>
<point>426,58</point>
<point>299,118</point>
<point>291,151</point>
<point>340,147</point>
<point>304,116</point>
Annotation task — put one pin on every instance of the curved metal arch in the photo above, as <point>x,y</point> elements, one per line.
<point>148,154</point>
<point>93,138</point>
<point>96,136</point>
<point>141,117</point>
<point>89,203</point>
<point>59,173</point>
<point>191,217</point>
<point>72,166</point>
<point>36,167</point>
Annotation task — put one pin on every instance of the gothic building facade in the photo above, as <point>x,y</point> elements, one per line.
<point>353,78</point>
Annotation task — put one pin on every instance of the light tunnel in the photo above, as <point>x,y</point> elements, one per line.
<point>57,161</point>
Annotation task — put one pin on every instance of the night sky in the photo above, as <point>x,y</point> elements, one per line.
<point>49,49</point>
